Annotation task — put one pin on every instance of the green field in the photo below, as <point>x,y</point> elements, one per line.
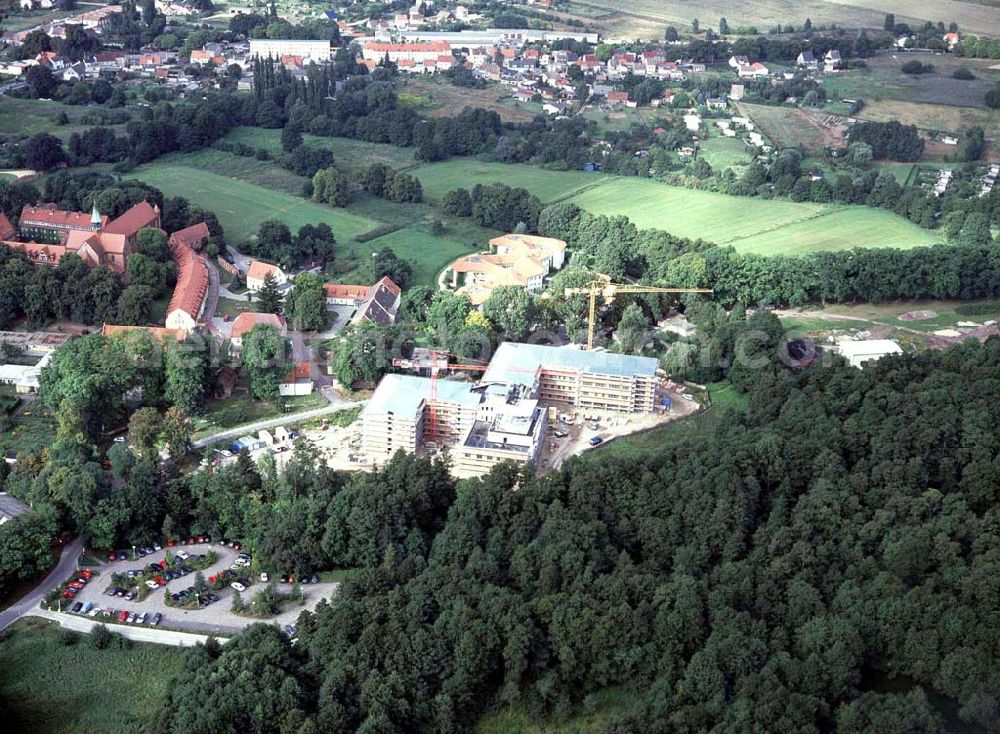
<point>49,688</point>
<point>440,178</point>
<point>721,152</point>
<point>428,254</point>
<point>34,428</point>
<point>354,154</point>
<point>749,224</point>
<point>266,174</point>
<point>241,206</point>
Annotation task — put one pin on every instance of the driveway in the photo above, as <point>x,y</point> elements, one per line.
<point>139,634</point>
<point>215,618</point>
<point>337,404</point>
<point>212,297</point>
<point>29,602</point>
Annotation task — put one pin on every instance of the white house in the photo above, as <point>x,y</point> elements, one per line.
<point>298,381</point>
<point>258,272</point>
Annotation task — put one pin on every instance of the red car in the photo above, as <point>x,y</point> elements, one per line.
<point>122,615</point>
<point>201,538</point>
<point>69,593</point>
<point>164,564</point>
<point>189,541</point>
<point>112,556</point>
<point>211,579</point>
<point>160,581</point>
<point>87,574</point>
<point>75,585</point>
<point>170,543</point>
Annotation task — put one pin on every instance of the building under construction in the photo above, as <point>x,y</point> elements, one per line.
<point>502,417</point>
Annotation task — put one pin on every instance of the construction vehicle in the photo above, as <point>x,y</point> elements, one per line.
<point>602,286</point>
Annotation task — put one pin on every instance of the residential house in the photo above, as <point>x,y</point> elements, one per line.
<point>258,271</point>
<point>806,60</point>
<point>188,301</point>
<point>832,61</point>
<point>246,321</point>
<point>756,70</point>
<point>296,382</point>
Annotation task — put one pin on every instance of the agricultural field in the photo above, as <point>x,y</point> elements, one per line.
<point>354,154</point>
<point>646,18</point>
<point>49,688</point>
<point>241,206</point>
<point>30,116</point>
<point>440,178</point>
<point>790,127</point>
<point>440,98</point>
<point>752,225</point>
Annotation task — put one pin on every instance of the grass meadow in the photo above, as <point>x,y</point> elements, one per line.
<point>750,224</point>
<point>426,253</point>
<point>50,688</point>
<point>440,178</point>
<point>242,206</point>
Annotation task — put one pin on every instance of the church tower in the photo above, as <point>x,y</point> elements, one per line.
<point>95,218</point>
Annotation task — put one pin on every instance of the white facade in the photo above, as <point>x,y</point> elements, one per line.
<point>277,47</point>
<point>858,353</point>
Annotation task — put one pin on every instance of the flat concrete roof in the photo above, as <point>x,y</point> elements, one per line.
<point>403,394</point>
<point>516,363</point>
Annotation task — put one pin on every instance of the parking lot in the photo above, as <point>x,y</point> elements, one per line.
<point>215,617</point>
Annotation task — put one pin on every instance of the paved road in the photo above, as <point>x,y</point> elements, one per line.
<point>29,603</point>
<point>139,634</point>
<point>337,404</point>
<point>212,297</point>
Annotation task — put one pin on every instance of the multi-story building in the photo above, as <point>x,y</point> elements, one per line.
<point>318,51</point>
<point>515,259</point>
<point>479,425</point>
<point>620,383</point>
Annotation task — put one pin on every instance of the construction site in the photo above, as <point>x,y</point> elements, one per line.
<point>534,405</point>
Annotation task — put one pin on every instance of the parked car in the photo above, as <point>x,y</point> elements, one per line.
<point>87,573</point>
<point>314,579</point>
<point>77,607</point>
<point>151,584</point>
<point>183,555</point>
<point>87,607</point>
<point>122,556</point>
<point>75,585</point>
<point>69,593</point>
<point>94,612</point>
<point>119,592</point>
<point>119,439</point>
<point>123,616</point>
<point>112,556</point>
<point>131,618</point>
<point>238,586</point>
<point>289,630</point>
<point>157,618</point>
<point>141,618</point>
<point>110,591</point>
<point>596,441</point>
<point>263,577</point>
<point>130,595</point>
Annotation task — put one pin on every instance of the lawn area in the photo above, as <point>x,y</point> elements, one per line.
<point>946,315</point>
<point>241,206</point>
<point>750,224</point>
<point>34,428</point>
<point>49,688</point>
<point>266,174</point>
<point>30,116</point>
<point>440,178</point>
<point>355,154</point>
<point>222,415</point>
<point>724,395</point>
<point>428,254</point>
<point>721,152</point>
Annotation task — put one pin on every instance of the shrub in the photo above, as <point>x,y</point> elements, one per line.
<point>964,74</point>
<point>101,637</point>
<point>69,637</point>
<point>915,67</point>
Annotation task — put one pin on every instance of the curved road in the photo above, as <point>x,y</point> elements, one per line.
<point>29,602</point>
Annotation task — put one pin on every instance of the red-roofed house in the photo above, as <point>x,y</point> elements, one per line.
<point>7,230</point>
<point>298,381</point>
<point>245,322</point>
<point>194,236</point>
<point>258,271</point>
<point>417,52</point>
<point>377,303</point>
<point>188,301</point>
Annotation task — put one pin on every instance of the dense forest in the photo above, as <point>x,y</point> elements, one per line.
<point>748,578</point>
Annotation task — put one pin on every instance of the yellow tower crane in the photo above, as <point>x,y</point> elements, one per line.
<point>604,287</point>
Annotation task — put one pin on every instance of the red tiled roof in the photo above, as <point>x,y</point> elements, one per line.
<point>47,214</point>
<point>246,321</point>
<point>260,270</point>
<point>387,282</point>
<point>193,236</point>
<point>140,216</point>
<point>157,331</point>
<point>435,46</point>
<point>50,254</point>
<point>299,371</point>
<point>192,281</point>
<point>339,290</point>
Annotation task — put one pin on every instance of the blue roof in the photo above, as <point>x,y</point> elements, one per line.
<point>517,363</point>
<point>402,394</point>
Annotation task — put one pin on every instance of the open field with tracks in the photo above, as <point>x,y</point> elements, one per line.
<point>752,225</point>
<point>440,178</point>
<point>439,98</point>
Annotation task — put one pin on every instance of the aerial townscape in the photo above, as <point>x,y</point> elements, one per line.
<point>499,366</point>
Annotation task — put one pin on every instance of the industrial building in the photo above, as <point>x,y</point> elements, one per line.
<point>858,353</point>
<point>504,417</point>
<point>278,48</point>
